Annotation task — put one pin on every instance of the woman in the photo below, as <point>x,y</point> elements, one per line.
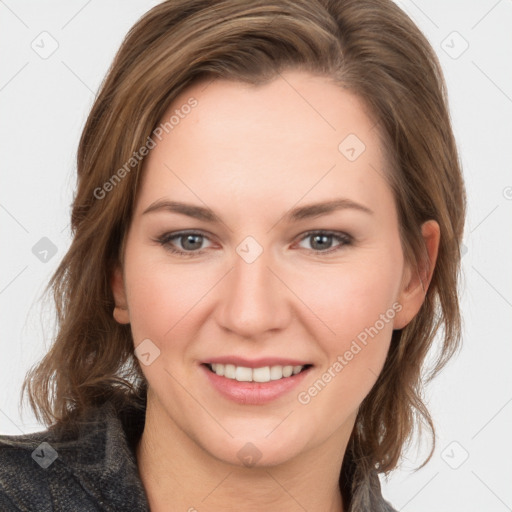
<point>266,239</point>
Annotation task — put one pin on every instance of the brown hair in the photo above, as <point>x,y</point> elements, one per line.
<point>369,47</point>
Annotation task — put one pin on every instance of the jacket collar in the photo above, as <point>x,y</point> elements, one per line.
<point>101,457</point>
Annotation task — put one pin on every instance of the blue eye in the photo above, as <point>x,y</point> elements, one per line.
<point>191,242</point>
<point>322,241</point>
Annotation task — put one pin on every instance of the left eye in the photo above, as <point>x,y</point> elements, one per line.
<point>321,241</point>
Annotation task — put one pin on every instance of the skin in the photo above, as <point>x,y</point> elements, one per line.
<point>251,154</point>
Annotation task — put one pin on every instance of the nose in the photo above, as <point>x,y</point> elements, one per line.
<point>254,299</point>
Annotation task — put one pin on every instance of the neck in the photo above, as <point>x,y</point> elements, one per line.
<point>178,473</point>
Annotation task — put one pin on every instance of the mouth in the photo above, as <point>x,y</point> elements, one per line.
<point>260,374</point>
<point>254,382</point>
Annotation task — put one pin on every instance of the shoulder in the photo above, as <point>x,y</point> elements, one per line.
<point>368,496</point>
<point>91,469</point>
<point>23,475</point>
<point>360,485</point>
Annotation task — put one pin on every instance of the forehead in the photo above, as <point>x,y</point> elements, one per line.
<point>310,107</point>
<point>298,134</point>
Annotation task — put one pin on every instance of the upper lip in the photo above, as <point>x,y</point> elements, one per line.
<point>255,363</point>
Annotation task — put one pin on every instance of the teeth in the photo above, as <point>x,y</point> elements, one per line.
<point>229,371</point>
<point>243,374</point>
<point>263,374</point>
<point>297,369</point>
<point>218,369</point>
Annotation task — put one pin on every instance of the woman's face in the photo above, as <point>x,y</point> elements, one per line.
<point>287,255</point>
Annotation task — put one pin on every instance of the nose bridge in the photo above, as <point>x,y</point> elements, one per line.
<point>253,300</point>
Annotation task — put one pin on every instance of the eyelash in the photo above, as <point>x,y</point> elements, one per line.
<point>166,238</point>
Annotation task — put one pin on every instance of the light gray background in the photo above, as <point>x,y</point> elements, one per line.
<point>44,104</point>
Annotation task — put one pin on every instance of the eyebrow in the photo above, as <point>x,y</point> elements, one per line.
<point>300,213</point>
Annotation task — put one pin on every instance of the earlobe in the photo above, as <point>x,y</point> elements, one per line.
<point>417,279</point>
<point>120,313</point>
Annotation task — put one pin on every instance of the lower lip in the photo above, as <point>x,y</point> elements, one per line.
<point>253,393</point>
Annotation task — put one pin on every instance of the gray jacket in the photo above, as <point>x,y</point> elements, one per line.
<point>96,470</point>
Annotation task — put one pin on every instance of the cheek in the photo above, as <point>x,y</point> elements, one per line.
<point>164,299</point>
<point>357,305</point>
<point>350,298</point>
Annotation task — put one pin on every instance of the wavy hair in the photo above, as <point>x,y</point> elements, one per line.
<point>370,48</point>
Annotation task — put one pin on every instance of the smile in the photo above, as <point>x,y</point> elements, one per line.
<point>261,374</point>
<point>256,385</point>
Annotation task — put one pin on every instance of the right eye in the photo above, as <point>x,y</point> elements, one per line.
<point>189,241</point>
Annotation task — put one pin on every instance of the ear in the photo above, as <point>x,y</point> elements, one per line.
<point>416,280</point>
<point>121,313</point>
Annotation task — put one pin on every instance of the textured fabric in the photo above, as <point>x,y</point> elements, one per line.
<point>96,470</point>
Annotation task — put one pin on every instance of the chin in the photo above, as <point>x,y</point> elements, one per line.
<point>257,451</point>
